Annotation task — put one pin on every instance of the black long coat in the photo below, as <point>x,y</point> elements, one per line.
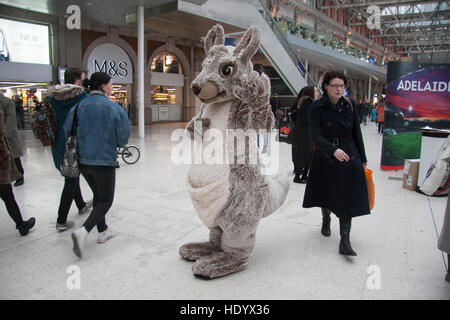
<point>301,142</point>
<point>302,139</point>
<point>338,186</point>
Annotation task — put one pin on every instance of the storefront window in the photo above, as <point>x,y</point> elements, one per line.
<point>120,95</point>
<point>166,63</point>
<point>166,95</point>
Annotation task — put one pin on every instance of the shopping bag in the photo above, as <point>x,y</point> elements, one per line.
<point>370,187</point>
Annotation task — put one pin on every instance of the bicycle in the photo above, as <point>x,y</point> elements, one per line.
<point>130,154</point>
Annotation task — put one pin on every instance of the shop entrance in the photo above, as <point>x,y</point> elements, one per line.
<point>26,96</point>
<point>167,82</point>
<point>122,94</point>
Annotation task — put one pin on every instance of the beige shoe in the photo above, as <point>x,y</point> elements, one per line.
<point>65,226</point>
<point>86,207</point>
<point>105,235</point>
<point>79,238</point>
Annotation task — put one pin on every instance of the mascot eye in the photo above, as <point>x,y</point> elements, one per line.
<point>226,70</point>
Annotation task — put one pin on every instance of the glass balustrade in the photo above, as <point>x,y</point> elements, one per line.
<point>281,36</point>
<point>281,26</point>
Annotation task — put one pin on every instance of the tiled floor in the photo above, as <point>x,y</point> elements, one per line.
<point>153,216</point>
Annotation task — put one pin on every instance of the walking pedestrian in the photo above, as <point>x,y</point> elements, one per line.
<point>380,116</point>
<point>9,173</point>
<point>302,146</point>
<point>374,114</point>
<point>20,115</point>
<point>12,134</point>
<point>102,126</point>
<point>336,182</point>
<point>62,98</point>
<point>366,111</point>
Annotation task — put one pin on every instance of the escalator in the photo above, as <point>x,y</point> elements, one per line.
<point>237,15</point>
<point>274,44</point>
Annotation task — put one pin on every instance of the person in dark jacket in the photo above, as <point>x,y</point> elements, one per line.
<point>302,147</point>
<point>12,134</point>
<point>20,115</point>
<point>366,111</point>
<point>62,98</point>
<point>360,108</point>
<point>9,173</point>
<point>275,105</point>
<point>336,182</point>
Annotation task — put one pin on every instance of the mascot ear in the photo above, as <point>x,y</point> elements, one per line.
<point>248,45</point>
<point>215,37</point>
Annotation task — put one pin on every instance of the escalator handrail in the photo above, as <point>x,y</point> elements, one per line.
<point>285,42</point>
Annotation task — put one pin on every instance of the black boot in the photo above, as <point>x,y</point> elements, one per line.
<point>345,247</point>
<point>19,182</point>
<point>297,178</point>
<point>304,176</point>
<point>326,219</point>
<point>25,226</point>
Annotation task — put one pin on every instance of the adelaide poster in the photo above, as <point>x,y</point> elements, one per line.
<point>417,95</point>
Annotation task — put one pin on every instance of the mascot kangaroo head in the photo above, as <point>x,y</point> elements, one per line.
<point>223,65</point>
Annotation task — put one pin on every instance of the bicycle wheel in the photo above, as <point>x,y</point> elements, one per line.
<point>131,154</point>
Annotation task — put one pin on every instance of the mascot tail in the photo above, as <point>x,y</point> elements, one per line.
<point>278,190</point>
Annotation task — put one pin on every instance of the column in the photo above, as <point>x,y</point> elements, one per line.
<point>141,71</point>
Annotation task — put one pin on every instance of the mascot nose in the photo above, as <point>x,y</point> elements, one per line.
<point>196,90</point>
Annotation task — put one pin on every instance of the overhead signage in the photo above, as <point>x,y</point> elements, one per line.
<point>24,42</point>
<point>113,60</point>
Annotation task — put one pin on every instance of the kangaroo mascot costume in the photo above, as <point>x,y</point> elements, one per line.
<point>231,196</point>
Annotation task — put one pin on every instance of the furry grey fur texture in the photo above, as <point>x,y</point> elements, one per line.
<point>64,92</point>
<point>228,74</point>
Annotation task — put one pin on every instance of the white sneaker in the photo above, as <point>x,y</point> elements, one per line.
<point>105,235</point>
<point>79,238</point>
<point>65,226</point>
<point>86,207</point>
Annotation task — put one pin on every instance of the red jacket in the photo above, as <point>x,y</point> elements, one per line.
<point>380,113</point>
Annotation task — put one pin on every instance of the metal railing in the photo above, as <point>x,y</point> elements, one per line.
<point>284,41</point>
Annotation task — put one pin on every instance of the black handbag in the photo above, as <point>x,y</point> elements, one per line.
<point>70,163</point>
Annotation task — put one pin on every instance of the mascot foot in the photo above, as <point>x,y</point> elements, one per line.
<point>197,250</point>
<point>217,265</point>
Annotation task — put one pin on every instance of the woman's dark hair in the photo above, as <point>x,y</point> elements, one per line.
<point>97,80</point>
<point>330,75</point>
<point>86,83</point>
<point>305,93</point>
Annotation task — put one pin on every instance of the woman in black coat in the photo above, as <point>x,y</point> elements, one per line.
<point>302,146</point>
<point>337,182</point>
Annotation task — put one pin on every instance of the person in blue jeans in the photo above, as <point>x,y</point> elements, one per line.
<point>102,126</point>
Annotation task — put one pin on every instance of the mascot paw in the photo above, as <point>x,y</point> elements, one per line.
<point>195,251</point>
<point>218,264</point>
<point>198,127</point>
